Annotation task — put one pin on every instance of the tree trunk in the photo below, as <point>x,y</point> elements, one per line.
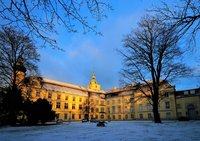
<point>155,109</point>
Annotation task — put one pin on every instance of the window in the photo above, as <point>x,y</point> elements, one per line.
<point>102,102</point>
<point>97,117</point>
<point>92,110</point>
<point>119,117</point>
<point>113,109</point>
<point>102,109</point>
<point>66,97</point>
<point>119,109</point>
<point>113,101</point>
<point>102,116</point>
<point>65,116</point>
<point>108,109</point>
<point>97,102</point>
<point>126,117</point>
<point>166,94</point>
<point>149,107</point>
<point>38,93</point>
<point>113,117</point>
<point>132,108</point>
<point>80,107</point>
<point>29,92</point>
<point>167,105</point>
<point>140,107</point>
<point>74,99</point>
<point>49,95</point>
<point>58,96</point>
<point>80,99</point>
<point>140,116</point>
<point>73,106</point>
<point>66,106</point>
<point>168,115</point>
<point>185,92</point>
<point>119,101</point>
<point>58,105</point>
<point>108,102</point>
<point>149,116</point>
<point>126,109</point>
<point>132,116</point>
<point>178,106</point>
<point>73,116</point>
<point>79,116</point>
<point>192,92</point>
<point>97,110</point>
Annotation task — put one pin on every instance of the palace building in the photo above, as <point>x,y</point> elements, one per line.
<point>74,103</point>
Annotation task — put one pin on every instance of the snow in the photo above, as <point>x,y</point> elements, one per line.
<point>114,131</point>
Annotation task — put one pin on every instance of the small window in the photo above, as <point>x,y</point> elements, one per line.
<point>73,116</point>
<point>119,101</point>
<point>58,105</point>
<point>58,96</point>
<point>66,106</point>
<point>113,101</point>
<point>49,95</point>
<point>149,116</point>
<point>80,107</point>
<point>73,106</point>
<point>140,107</point>
<point>65,116</point>
<point>192,92</point>
<point>166,94</point>
<point>141,116</point>
<point>79,116</point>
<point>119,109</point>
<point>167,105</point>
<point>38,93</point>
<point>74,99</point>
<point>102,109</point>
<point>102,102</point>
<point>108,110</point>
<point>178,106</point>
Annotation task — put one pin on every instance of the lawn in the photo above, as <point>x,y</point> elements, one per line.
<point>114,131</point>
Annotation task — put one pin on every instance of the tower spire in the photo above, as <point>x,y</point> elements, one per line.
<point>93,83</point>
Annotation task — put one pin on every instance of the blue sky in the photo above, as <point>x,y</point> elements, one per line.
<point>85,53</point>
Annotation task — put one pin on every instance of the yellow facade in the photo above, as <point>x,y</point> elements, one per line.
<point>74,103</point>
<point>188,104</point>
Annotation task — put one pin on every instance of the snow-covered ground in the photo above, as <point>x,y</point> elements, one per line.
<point>114,131</point>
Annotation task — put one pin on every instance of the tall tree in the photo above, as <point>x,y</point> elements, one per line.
<point>40,17</point>
<point>17,53</point>
<point>151,56</point>
<point>185,17</point>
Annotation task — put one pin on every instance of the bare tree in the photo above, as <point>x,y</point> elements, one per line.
<point>151,56</point>
<point>18,52</point>
<point>185,17</point>
<point>40,17</point>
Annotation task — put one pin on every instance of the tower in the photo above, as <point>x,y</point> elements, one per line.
<point>93,83</point>
<point>20,71</point>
